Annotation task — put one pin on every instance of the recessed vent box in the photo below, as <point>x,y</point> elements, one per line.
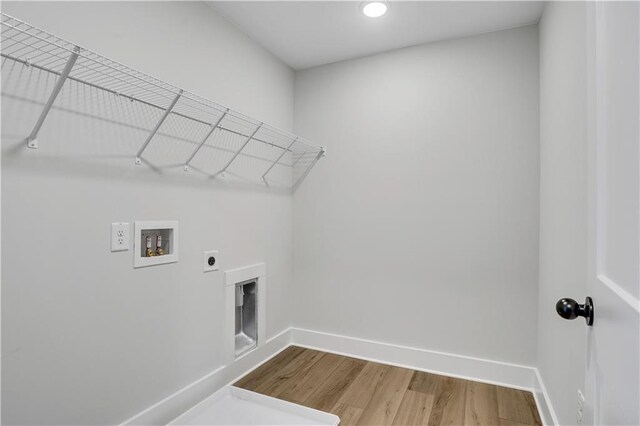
<point>245,310</point>
<point>246,330</point>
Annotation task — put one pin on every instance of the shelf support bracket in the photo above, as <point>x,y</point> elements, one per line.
<point>213,127</point>
<point>280,157</point>
<point>224,169</point>
<point>32,140</point>
<point>155,129</point>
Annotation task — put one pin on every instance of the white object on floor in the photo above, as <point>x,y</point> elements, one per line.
<point>235,406</point>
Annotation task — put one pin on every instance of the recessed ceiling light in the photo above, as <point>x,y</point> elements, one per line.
<point>375,9</point>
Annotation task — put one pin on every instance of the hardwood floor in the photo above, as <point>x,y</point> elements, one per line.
<point>368,393</point>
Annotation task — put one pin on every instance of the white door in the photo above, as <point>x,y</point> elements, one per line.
<point>613,343</point>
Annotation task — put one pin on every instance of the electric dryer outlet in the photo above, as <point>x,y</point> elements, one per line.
<point>211,261</point>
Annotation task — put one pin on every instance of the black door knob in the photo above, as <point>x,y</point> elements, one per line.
<point>570,309</point>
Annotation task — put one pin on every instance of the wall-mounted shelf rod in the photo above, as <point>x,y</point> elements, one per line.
<point>204,140</point>
<point>155,129</point>
<point>179,114</point>
<point>142,101</point>
<point>95,86</point>
<point>58,44</point>
<point>76,49</point>
<point>32,140</point>
<point>40,37</point>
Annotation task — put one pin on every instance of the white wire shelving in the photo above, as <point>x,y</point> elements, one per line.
<point>207,121</point>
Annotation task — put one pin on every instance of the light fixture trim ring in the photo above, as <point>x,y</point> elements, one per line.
<point>375,12</point>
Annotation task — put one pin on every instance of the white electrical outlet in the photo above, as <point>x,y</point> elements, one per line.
<point>580,407</point>
<point>119,236</point>
<point>211,261</point>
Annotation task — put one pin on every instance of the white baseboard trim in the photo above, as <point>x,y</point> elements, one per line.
<point>460,366</point>
<point>177,403</point>
<point>463,367</point>
<point>545,408</point>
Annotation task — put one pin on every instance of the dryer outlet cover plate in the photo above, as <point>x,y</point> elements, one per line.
<point>211,261</point>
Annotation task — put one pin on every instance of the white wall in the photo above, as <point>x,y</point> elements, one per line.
<point>86,339</point>
<point>563,200</point>
<point>420,227</point>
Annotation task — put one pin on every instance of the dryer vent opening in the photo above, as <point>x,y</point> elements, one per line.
<point>246,327</point>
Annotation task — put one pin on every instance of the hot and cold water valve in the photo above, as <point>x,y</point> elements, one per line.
<point>155,243</point>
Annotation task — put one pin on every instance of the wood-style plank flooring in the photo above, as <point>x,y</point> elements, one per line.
<point>368,393</point>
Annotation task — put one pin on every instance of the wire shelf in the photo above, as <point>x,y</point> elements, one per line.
<point>179,116</point>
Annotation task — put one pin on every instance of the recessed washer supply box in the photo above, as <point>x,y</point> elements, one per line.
<point>155,243</point>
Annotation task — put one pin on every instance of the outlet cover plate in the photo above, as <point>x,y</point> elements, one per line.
<point>120,236</point>
<point>216,264</point>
